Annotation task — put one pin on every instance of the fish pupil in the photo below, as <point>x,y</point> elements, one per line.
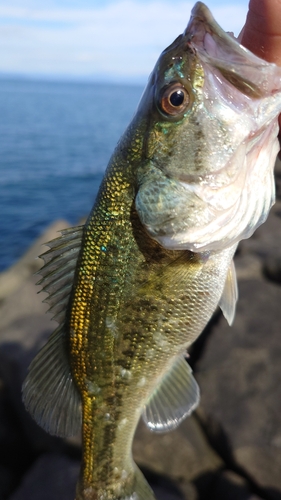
<point>174,99</point>
<point>177,98</point>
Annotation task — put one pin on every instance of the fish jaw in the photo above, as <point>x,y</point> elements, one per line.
<point>249,73</point>
<point>221,151</point>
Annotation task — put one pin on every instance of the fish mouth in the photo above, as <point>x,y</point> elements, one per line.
<point>202,27</point>
<point>247,72</point>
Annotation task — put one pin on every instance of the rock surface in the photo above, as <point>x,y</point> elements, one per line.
<point>12,278</point>
<point>53,476</point>
<point>230,449</point>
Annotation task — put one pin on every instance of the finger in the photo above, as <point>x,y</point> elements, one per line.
<point>262,31</point>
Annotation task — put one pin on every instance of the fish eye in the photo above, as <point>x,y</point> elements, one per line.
<point>174,99</point>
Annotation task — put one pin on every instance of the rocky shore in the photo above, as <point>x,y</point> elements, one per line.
<point>230,449</point>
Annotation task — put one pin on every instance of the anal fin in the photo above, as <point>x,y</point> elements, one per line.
<point>173,400</point>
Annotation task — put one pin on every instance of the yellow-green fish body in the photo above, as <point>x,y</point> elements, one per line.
<point>191,176</point>
<point>130,327</point>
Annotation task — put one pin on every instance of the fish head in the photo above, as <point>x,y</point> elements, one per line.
<point>210,109</point>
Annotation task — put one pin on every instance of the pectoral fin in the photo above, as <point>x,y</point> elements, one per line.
<point>229,296</point>
<point>173,400</point>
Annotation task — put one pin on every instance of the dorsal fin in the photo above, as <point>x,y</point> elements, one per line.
<point>59,268</point>
<point>229,296</point>
<point>173,400</point>
<point>49,392</point>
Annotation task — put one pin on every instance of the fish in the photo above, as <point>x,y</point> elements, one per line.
<point>134,287</point>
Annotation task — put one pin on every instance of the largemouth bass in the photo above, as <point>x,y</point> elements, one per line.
<point>133,288</point>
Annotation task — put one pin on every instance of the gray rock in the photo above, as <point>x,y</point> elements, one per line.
<point>52,477</point>
<point>272,268</point>
<point>231,486</point>
<point>181,455</point>
<point>12,278</point>
<point>266,241</point>
<point>7,481</point>
<point>240,379</point>
<point>277,173</point>
<point>263,464</point>
<point>23,330</point>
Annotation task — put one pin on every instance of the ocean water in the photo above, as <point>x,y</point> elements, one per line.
<point>55,142</point>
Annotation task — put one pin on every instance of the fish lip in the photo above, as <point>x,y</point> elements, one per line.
<point>202,23</point>
<point>215,48</point>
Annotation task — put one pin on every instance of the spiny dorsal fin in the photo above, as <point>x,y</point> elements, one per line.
<point>173,400</point>
<point>49,392</point>
<point>229,296</point>
<point>59,268</point>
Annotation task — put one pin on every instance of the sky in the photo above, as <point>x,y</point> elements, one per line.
<point>102,40</point>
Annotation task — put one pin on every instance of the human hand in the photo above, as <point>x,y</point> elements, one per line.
<point>262,31</point>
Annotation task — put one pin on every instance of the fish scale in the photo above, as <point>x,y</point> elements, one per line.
<point>136,320</point>
<point>134,287</point>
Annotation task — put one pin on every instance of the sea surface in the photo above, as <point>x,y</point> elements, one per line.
<point>55,142</point>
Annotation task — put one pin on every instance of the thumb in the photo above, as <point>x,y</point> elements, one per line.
<point>262,31</point>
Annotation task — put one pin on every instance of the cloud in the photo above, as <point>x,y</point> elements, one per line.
<point>119,40</point>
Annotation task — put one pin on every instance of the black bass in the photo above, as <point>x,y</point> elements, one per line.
<point>191,176</point>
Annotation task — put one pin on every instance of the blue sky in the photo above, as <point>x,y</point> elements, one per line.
<point>116,40</point>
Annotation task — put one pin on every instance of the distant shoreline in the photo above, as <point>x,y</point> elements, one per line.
<point>99,80</point>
